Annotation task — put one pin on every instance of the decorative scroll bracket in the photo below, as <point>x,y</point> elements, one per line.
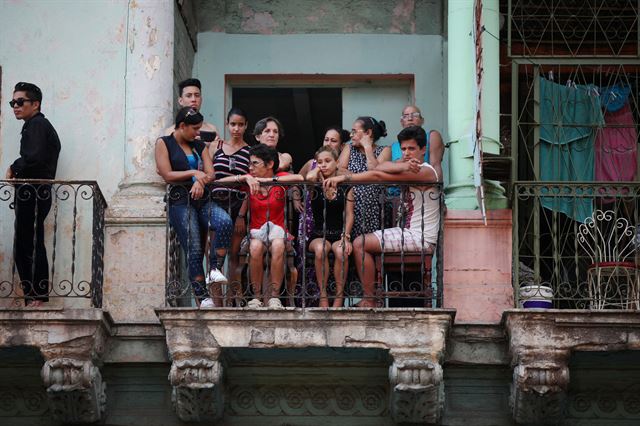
<point>539,387</point>
<point>75,389</point>
<point>417,391</point>
<point>197,389</point>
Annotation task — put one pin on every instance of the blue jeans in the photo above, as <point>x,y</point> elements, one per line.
<point>189,220</point>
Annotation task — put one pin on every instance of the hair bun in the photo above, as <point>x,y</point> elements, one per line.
<point>345,135</point>
<point>383,128</point>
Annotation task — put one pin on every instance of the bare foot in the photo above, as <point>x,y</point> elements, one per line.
<point>35,303</point>
<point>324,302</point>
<point>337,303</point>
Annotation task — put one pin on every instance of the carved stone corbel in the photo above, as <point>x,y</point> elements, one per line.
<point>417,391</point>
<point>197,389</point>
<point>539,388</point>
<point>75,390</point>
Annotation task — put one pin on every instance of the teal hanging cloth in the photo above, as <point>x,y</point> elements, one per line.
<point>570,117</point>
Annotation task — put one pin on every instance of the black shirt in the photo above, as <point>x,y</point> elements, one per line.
<point>39,150</point>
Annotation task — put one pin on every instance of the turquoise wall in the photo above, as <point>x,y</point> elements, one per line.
<point>75,52</point>
<point>316,56</point>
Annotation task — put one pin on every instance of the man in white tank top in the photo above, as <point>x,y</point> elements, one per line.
<point>421,209</point>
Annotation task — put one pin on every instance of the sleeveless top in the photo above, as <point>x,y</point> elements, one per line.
<point>422,210</point>
<point>179,193</point>
<point>230,165</point>
<point>332,217</point>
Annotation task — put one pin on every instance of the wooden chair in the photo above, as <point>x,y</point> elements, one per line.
<point>407,262</point>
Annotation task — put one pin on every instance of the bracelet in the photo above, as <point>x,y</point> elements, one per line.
<point>241,215</point>
<point>347,177</point>
<point>237,178</point>
<point>345,236</point>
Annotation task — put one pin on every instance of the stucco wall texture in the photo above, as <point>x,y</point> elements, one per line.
<point>322,17</point>
<point>75,52</point>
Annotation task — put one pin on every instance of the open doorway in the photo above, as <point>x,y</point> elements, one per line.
<point>303,112</point>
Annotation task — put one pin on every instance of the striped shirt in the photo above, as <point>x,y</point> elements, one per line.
<point>231,165</point>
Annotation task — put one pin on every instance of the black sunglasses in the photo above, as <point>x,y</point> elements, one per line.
<point>19,102</point>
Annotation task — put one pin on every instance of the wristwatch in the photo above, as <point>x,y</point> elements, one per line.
<point>275,178</point>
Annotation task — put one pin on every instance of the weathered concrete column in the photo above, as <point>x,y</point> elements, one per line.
<point>148,109</point>
<point>134,261</point>
<point>461,192</point>
<point>477,281</point>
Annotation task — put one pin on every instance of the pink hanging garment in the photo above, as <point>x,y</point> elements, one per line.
<point>616,147</point>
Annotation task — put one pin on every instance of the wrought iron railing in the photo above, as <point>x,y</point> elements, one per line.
<point>576,245</point>
<point>409,276</point>
<point>54,240</point>
<point>572,28</point>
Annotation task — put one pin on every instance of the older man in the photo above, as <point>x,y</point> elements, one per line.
<point>412,116</point>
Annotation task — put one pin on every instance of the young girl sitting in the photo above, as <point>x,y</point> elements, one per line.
<point>333,220</point>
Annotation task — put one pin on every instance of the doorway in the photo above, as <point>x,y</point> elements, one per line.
<point>304,113</point>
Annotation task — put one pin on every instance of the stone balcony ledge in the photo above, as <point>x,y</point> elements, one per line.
<point>415,339</point>
<point>540,344</point>
<point>72,342</point>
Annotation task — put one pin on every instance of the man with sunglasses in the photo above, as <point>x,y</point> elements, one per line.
<point>39,151</point>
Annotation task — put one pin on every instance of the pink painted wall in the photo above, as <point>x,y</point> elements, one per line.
<point>477,265</point>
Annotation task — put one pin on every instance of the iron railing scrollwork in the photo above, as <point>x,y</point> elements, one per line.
<point>576,245</point>
<point>73,237</point>
<point>410,276</point>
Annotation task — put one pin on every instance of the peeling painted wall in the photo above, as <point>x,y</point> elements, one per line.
<point>322,17</point>
<point>75,52</point>
<point>184,54</point>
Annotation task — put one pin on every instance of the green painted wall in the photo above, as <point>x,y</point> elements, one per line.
<point>326,17</point>
<point>316,56</point>
<point>75,52</point>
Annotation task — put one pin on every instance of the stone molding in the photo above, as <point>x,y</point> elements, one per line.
<point>72,342</point>
<point>75,389</point>
<point>196,338</point>
<point>540,345</point>
<point>417,391</point>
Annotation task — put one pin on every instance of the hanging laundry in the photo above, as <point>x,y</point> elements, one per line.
<point>569,118</point>
<point>616,147</point>
<point>613,98</point>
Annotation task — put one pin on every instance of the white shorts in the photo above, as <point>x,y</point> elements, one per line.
<point>403,239</point>
<point>268,232</point>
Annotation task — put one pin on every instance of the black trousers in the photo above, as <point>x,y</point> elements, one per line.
<point>32,205</point>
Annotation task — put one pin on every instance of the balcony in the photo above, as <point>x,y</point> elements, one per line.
<point>69,333</point>
<point>576,245</point>
<point>205,345</point>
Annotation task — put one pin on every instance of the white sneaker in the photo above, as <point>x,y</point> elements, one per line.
<point>275,303</point>
<point>215,276</point>
<point>255,303</point>
<point>207,303</point>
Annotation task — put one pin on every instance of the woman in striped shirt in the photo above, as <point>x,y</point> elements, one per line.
<point>231,159</point>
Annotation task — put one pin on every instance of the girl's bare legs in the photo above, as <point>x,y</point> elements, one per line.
<point>340,268</point>
<point>321,259</point>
